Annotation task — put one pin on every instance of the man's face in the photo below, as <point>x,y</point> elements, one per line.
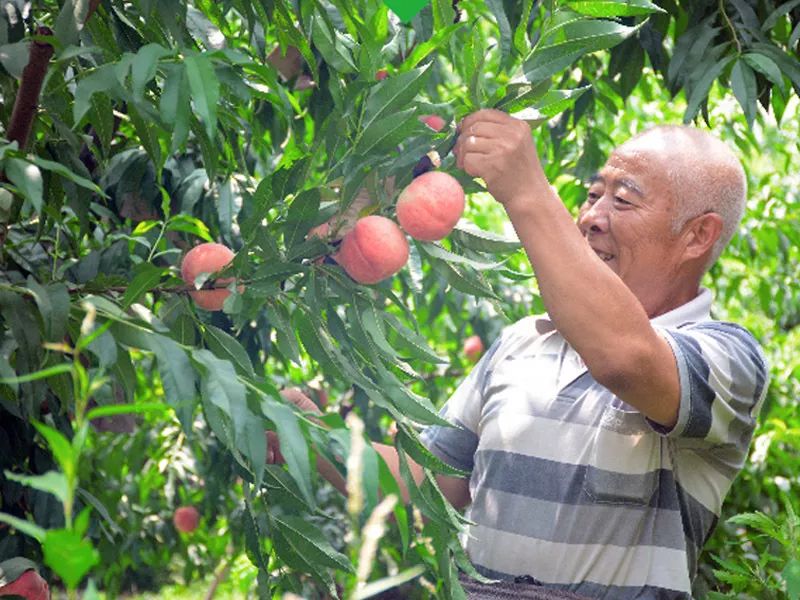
<point>627,220</point>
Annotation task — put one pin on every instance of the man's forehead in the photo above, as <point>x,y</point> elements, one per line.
<point>609,176</point>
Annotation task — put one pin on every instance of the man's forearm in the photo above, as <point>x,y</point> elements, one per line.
<point>592,308</point>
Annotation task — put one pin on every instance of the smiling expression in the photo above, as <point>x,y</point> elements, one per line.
<point>627,220</point>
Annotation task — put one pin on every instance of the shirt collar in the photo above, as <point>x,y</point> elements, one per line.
<point>697,309</point>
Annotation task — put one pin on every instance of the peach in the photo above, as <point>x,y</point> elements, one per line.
<point>473,348</point>
<point>288,64</point>
<point>373,250</point>
<point>29,585</point>
<point>207,258</point>
<point>381,74</point>
<point>186,519</point>
<point>430,206</point>
<point>435,122</point>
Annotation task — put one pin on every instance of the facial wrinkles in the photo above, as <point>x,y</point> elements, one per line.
<point>628,230</point>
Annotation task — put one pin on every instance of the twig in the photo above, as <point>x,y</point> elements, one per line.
<point>218,578</point>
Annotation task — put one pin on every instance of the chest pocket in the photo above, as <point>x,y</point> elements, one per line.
<point>625,458</point>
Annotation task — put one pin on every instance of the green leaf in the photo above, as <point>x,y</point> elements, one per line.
<point>411,340</point>
<point>280,320</point>
<point>700,91</point>
<point>293,444</point>
<point>302,213</point>
<point>314,340</point>
<point>189,224</point>
<point>614,8</point>
<point>391,95</point>
<point>66,173</point>
<point>147,277</point>
<point>204,88</point>
<point>791,575</point>
<point>408,440</point>
<point>70,21</point>
<point>177,374</point>
<point>14,57</point>
<point>27,178</point>
<point>472,237</point>
<point>436,251</point>
<point>228,348</point>
<point>68,555</point>
<point>221,388</point>
<point>743,83</point>
<point>766,66</point>
<point>308,541</point>
<point>436,41</point>
<point>333,50</point>
<point>758,521</point>
<point>464,280</point>
<point>474,53</point>
<point>51,482</point>
<point>284,489</point>
<point>405,402</point>
<point>59,446</point>
<point>111,410</point>
<point>497,8</point>
<point>175,106</point>
<point>53,302</point>
<point>573,40</point>
<point>385,134</point>
<point>520,94</point>
<point>521,42</point>
<point>374,588</point>
<point>27,527</point>
<point>144,67</point>
<point>102,79</point>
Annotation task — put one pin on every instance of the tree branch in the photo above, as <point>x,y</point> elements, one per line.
<point>30,86</point>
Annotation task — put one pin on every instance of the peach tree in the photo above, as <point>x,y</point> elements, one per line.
<point>135,131</point>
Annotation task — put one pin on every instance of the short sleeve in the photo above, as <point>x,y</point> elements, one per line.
<point>723,381</point>
<point>456,445</point>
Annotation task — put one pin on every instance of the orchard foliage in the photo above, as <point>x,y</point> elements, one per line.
<point>161,126</point>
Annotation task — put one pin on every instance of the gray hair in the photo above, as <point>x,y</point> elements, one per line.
<point>705,176</point>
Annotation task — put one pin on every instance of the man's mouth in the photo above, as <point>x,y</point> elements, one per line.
<point>604,256</point>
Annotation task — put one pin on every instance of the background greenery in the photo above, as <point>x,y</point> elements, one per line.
<point>161,125</point>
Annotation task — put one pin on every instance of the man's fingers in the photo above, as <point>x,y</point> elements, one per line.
<point>489,115</point>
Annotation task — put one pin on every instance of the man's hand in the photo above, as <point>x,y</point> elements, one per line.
<point>499,149</point>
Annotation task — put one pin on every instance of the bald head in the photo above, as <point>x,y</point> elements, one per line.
<point>704,174</point>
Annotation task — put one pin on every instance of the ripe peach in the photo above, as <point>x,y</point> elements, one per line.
<point>381,74</point>
<point>29,585</point>
<point>207,258</point>
<point>186,519</point>
<point>473,348</point>
<point>373,250</point>
<point>435,122</point>
<point>430,206</point>
<point>289,65</point>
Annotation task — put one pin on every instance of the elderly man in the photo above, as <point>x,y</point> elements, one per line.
<point>601,438</point>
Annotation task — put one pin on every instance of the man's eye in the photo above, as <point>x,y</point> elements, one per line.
<point>592,197</point>
<point>622,201</point>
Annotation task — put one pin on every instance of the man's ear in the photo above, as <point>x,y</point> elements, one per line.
<point>702,232</point>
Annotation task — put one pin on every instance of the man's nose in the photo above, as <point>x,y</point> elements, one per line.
<point>593,216</point>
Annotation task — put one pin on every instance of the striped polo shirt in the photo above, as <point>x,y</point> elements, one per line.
<point>577,489</point>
